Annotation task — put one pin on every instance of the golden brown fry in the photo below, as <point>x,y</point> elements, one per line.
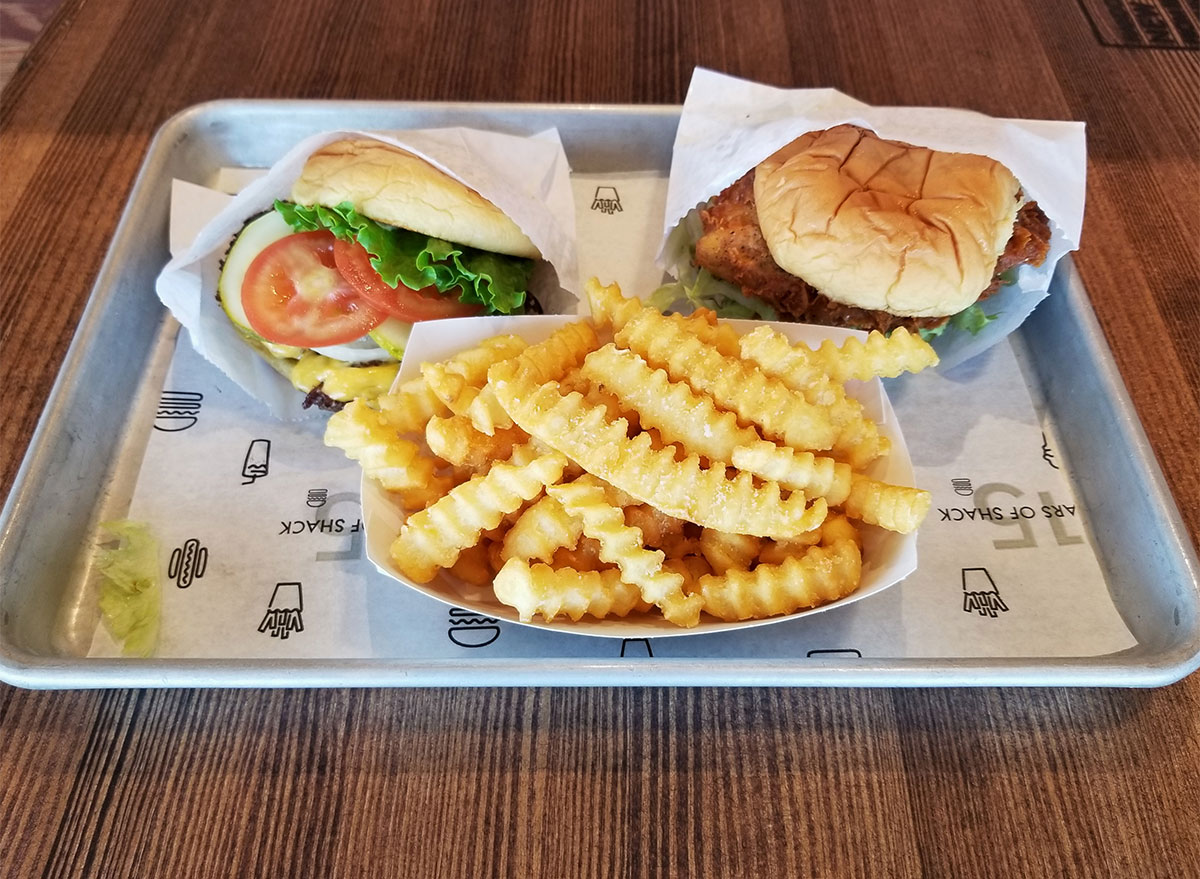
<point>609,307</point>
<point>681,489</point>
<point>459,382</point>
<point>396,464</point>
<point>780,413</point>
<point>584,556</point>
<point>857,440</point>
<point>541,530</point>
<point>894,507</point>
<point>553,358</point>
<point>821,575</point>
<point>623,546</point>
<point>472,565</point>
<point>678,413</point>
<point>723,551</point>
<point>542,590</point>
<point>815,475</point>
<point>413,403</point>
<point>884,356</point>
<point>456,441</point>
<point>656,526</point>
<point>434,537</point>
<point>835,527</point>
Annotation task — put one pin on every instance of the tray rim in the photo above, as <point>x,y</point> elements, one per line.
<point>23,668</point>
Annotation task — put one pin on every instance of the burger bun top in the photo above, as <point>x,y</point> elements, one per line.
<point>884,225</point>
<point>393,186</point>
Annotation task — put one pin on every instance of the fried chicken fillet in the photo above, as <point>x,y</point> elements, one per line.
<point>733,249</point>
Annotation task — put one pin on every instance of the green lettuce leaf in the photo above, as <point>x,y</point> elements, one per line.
<point>705,290</point>
<point>130,590</point>
<point>972,319</point>
<point>497,282</point>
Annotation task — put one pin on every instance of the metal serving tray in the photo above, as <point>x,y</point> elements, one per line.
<point>87,442</point>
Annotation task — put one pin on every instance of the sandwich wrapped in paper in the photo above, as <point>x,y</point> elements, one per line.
<point>304,288</point>
<point>805,205</point>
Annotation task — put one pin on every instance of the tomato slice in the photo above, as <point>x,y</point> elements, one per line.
<point>354,263</point>
<point>293,294</point>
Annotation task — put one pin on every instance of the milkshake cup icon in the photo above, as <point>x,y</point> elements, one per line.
<point>177,410</point>
<point>258,460</point>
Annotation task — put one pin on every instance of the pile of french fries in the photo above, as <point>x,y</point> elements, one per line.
<point>638,462</point>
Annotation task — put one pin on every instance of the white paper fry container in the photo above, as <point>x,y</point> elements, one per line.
<point>730,125</point>
<point>526,177</point>
<point>887,557</point>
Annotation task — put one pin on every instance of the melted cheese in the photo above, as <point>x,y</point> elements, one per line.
<point>340,381</point>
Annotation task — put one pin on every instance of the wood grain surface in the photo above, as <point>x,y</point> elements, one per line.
<point>603,782</point>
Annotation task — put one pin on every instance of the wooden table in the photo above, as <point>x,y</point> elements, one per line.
<point>606,782</point>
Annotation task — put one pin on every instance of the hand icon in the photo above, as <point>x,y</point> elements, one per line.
<point>284,611</point>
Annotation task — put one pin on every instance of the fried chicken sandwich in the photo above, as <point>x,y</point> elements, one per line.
<point>843,228</point>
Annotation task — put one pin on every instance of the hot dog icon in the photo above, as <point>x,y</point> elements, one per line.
<point>187,563</point>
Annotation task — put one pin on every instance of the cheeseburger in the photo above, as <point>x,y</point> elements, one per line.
<point>327,285</point>
<point>843,228</point>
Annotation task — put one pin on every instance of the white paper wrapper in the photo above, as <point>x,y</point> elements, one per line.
<point>729,125</point>
<point>526,177</point>
<point>887,558</point>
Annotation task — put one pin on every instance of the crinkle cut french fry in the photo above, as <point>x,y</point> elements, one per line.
<point>894,507</point>
<point>463,398</point>
<point>856,439</point>
<point>541,590</point>
<point>835,527</point>
<point>673,408</point>
<point>552,359</point>
<point>472,566</point>
<point>780,413</point>
<point>723,551</point>
<point>540,531</point>
<point>821,575</point>
<point>363,434</point>
<point>460,382</point>
<point>434,537</point>
<point>456,441</point>
<point>680,488</point>
<point>584,556</point>
<point>817,476</point>
<point>884,356</point>
<point>656,526</point>
<point>609,307</point>
<point>622,545</point>
<point>413,403</point>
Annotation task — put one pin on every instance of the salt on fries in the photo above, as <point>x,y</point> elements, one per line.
<point>639,462</point>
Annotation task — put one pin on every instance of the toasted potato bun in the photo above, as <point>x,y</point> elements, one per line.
<point>393,186</point>
<point>883,225</point>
